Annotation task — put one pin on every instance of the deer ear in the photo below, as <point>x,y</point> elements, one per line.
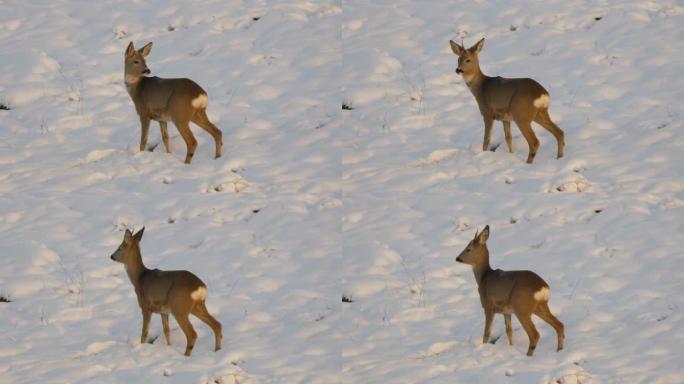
<point>138,235</point>
<point>457,49</point>
<point>128,237</point>
<point>130,51</point>
<point>144,51</point>
<point>475,49</point>
<point>484,235</point>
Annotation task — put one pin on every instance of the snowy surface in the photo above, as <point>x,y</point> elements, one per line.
<point>312,203</point>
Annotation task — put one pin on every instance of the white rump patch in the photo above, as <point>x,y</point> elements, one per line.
<point>541,101</point>
<point>200,101</point>
<point>200,293</point>
<point>542,294</point>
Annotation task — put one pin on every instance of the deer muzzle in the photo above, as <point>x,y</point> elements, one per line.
<point>459,70</point>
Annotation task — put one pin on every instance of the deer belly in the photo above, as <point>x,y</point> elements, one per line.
<point>159,307</point>
<point>501,115</point>
<point>501,307</point>
<point>158,115</point>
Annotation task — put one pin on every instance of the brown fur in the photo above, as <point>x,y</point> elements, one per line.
<point>165,292</point>
<point>522,293</point>
<point>504,99</point>
<point>166,100</point>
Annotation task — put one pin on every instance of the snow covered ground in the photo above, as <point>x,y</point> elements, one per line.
<point>312,203</point>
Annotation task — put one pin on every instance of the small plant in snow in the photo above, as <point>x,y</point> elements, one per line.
<point>416,92</point>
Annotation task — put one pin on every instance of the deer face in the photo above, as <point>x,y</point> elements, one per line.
<point>127,247</point>
<point>468,62</point>
<point>476,250</point>
<point>134,62</point>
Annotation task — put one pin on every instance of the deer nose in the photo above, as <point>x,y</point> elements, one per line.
<point>459,70</point>
<point>146,71</point>
<point>112,257</point>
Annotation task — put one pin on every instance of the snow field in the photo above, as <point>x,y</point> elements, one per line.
<point>327,236</point>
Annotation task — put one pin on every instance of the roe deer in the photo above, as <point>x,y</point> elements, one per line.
<point>522,100</point>
<point>522,293</point>
<point>178,100</point>
<point>179,293</point>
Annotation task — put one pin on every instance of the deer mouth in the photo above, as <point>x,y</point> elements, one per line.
<point>146,72</point>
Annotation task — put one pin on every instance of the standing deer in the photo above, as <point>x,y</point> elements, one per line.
<point>178,100</point>
<point>522,100</point>
<point>522,293</point>
<point>179,293</point>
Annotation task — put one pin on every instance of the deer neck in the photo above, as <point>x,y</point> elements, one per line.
<point>481,269</point>
<point>474,80</point>
<point>135,268</point>
<point>133,85</point>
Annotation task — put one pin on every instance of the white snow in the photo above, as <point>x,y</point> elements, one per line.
<point>311,203</point>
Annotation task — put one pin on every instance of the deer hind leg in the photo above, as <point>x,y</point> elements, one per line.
<point>201,312</point>
<point>530,137</point>
<point>165,326</point>
<point>200,118</point>
<point>545,121</point>
<point>509,328</point>
<point>545,314</point>
<point>190,141</point>
<point>163,127</point>
<point>526,321</point>
<point>186,326</point>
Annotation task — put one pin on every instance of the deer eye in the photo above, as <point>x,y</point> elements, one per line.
<point>467,60</point>
<point>136,62</point>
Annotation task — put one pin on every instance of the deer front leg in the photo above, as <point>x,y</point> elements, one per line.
<point>509,328</point>
<point>144,130</point>
<point>488,123</point>
<point>165,325</point>
<point>507,134</point>
<point>165,135</point>
<point>489,316</point>
<point>145,325</point>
